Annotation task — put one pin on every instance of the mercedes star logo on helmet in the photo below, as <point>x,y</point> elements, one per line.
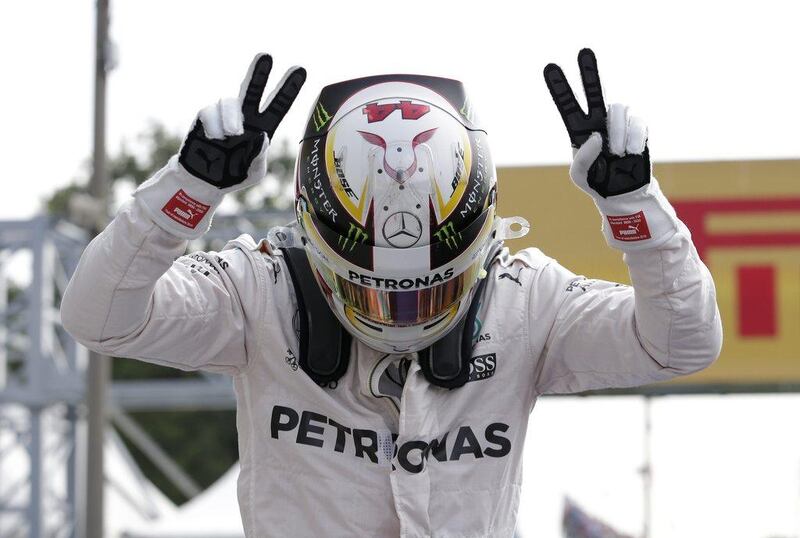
<point>402,229</point>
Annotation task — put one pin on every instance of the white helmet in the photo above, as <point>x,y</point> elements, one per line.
<point>395,196</point>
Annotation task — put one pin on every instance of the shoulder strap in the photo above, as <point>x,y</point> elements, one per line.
<point>324,343</point>
<point>446,362</point>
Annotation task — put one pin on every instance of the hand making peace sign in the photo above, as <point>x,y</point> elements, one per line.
<point>231,134</point>
<point>611,156</point>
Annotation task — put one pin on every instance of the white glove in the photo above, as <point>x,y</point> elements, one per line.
<point>611,162</point>
<point>224,152</point>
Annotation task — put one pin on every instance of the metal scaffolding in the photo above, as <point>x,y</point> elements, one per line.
<point>43,379</point>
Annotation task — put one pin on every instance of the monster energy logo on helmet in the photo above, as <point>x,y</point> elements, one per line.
<point>449,235</point>
<point>320,116</point>
<point>354,235</point>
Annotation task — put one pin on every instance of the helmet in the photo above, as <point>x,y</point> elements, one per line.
<point>395,200</point>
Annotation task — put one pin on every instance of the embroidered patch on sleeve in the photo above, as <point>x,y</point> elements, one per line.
<point>185,210</point>
<point>629,227</point>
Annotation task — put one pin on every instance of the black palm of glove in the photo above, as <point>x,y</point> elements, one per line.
<point>614,171</point>
<point>224,160</point>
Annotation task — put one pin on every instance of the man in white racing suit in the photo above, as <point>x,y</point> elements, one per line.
<point>363,424</point>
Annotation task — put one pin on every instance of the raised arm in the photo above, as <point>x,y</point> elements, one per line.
<point>602,334</point>
<point>130,296</point>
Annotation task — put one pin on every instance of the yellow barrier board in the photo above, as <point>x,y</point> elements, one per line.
<point>745,222</point>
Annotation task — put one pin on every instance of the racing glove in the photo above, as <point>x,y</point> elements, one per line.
<point>225,151</point>
<point>611,162</point>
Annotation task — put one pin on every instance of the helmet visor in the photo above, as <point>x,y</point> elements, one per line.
<point>402,307</point>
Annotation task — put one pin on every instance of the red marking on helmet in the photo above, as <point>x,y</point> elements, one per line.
<point>376,140</point>
<point>373,139</point>
<point>411,111</point>
<point>408,110</point>
<point>398,175</point>
<point>389,170</point>
<point>376,112</point>
<point>423,137</point>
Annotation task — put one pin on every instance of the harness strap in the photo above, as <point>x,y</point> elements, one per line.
<point>445,363</point>
<point>324,343</point>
